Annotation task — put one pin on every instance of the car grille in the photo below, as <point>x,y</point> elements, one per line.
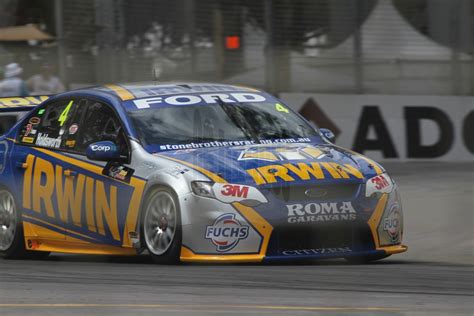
<point>355,236</point>
<point>320,192</point>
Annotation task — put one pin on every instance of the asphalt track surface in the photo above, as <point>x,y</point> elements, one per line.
<point>435,277</point>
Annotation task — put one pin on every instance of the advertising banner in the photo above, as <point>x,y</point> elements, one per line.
<point>394,127</point>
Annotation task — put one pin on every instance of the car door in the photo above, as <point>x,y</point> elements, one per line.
<point>37,169</point>
<point>107,191</point>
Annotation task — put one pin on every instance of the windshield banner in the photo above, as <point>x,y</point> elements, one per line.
<point>195,99</point>
<point>233,143</point>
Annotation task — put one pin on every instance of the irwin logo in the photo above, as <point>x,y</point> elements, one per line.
<point>303,171</point>
<point>49,190</point>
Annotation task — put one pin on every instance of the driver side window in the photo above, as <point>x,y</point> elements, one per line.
<point>48,125</point>
<point>100,123</point>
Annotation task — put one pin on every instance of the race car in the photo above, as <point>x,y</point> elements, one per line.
<point>190,172</point>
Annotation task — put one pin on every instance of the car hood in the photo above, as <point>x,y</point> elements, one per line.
<point>274,165</point>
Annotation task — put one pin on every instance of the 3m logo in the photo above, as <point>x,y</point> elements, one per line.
<point>235,190</point>
<point>380,182</point>
<point>230,193</point>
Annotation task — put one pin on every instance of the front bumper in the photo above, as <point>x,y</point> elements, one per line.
<point>188,255</point>
<point>378,233</point>
<point>384,251</point>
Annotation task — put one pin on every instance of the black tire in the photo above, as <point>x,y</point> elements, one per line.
<point>365,259</point>
<point>17,249</point>
<point>172,254</point>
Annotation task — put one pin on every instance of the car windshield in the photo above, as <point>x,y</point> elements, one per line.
<point>237,123</point>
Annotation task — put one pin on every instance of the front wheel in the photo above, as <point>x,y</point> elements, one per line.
<point>161,226</point>
<point>12,243</point>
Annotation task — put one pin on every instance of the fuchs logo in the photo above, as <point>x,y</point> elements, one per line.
<point>226,232</point>
<point>391,223</point>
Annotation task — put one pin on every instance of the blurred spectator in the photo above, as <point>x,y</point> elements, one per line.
<point>13,85</point>
<point>45,82</point>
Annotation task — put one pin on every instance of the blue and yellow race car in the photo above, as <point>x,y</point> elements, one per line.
<point>186,172</point>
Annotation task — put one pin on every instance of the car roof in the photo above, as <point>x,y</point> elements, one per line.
<point>133,91</point>
<point>118,94</point>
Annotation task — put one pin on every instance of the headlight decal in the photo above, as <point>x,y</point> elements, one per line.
<point>203,188</point>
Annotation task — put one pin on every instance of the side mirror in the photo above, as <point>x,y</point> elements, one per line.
<point>328,134</point>
<point>103,151</point>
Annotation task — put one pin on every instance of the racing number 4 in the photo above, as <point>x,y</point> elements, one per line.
<point>280,108</point>
<point>63,117</point>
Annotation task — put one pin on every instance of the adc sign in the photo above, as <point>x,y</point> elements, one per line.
<point>394,127</point>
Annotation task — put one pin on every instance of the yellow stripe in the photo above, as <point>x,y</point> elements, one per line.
<point>133,210</point>
<point>32,231</point>
<point>69,245</point>
<point>187,255</point>
<point>395,249</point>
<point>79,163</point>
<point>260,224</point>
<point>12,102</point>
<point>248,88</point>
<point>86,166</point>
<point>85,248</point>
<point>374,222</point>
<point>123,93</point>
<point>210,307</point>
<point>251,215</point>
<point>376,217</point>
<point>58,227</point>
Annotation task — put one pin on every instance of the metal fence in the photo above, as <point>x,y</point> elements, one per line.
<point>422,47</point>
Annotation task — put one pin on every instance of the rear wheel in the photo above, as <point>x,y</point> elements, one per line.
<point>161,226</point>
<point>12,241</point>
<point>365,259</point>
